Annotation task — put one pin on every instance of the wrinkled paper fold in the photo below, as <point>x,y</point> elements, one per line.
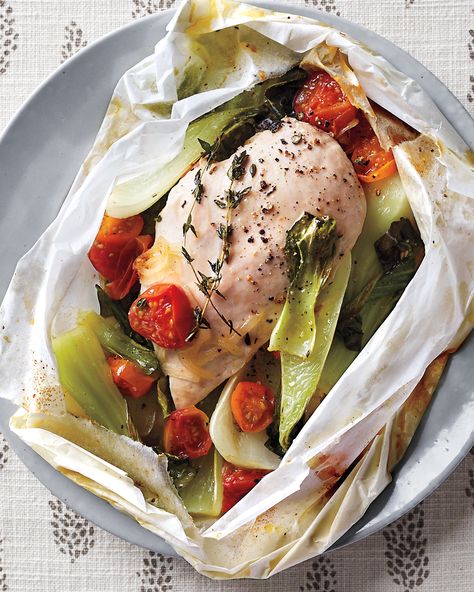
<point>303,507</point>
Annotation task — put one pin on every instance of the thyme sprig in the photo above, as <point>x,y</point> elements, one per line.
<point>209,285</point>
<point>198,191</point>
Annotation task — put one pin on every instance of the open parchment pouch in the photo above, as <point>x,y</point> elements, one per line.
<point>343,456</point>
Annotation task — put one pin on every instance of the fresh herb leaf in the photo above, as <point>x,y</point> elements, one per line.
<point>186,255</point>
<point>309,251</point>
<point>235,197</point>
<point>142,303</point>
<point>188,226</point>
<point>237,168</point>
<point>207,148</point>
<point>220,204</point>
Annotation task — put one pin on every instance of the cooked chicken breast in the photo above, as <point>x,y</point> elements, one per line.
<point>293,170</point>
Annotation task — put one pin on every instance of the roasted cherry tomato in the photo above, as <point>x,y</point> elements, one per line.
<point>129,378</point>
<point>112,237</point>
<point>237,483</point>
<point>371,161</point>
<point>126,276</point>
<point>164,315</point>
<point>186,433</point>
<point>323,103</point>
<point>252,405</point>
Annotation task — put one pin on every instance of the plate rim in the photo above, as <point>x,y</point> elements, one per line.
<point>355,533</point>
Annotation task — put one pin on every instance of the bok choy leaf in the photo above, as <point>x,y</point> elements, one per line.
<point>399,252</point>
<point>119,310</point>
<point>309,250</point>
<point>114,340</point>
<point>300,376</point>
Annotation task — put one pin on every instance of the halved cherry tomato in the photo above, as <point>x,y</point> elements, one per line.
<point>252,405</point>
<point>237,483</point>
<point>112,237</point>
<point>126,276</point>
<point>323,103</point>
<point>128,377</point>
<point>371,161</point>
<point>186,433</point>
<point>164,315</point>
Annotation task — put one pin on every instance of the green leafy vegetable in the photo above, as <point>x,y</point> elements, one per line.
<point>384,294</point>
<point>279,98</point>
<point>309,251</point>
<point>85,375</point>
<point>399,252</point>
<point>235,135</point>
<point>119,309</point>
<point>300,376</point>
<point>386,202</point>
<point>181,472</point>
<point>397,245</point>
<point>114,340</point>
<point>152,215</point>
<point>203,495</point>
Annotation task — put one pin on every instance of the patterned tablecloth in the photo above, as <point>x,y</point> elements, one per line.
<point>46,547</point>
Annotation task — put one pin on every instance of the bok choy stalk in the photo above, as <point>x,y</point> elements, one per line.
<point>114,340</point>
<point>300,376</point>
<point>386,201</point>
<point>399,251</point>
<point>203,495</point>
<point>309,251</point>
<point>85,375</point>
<point>135,195</point>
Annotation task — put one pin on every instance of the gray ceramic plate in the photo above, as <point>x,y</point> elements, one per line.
<point>42,150</point>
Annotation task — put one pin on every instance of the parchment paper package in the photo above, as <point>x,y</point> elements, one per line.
<point>303,507</point>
